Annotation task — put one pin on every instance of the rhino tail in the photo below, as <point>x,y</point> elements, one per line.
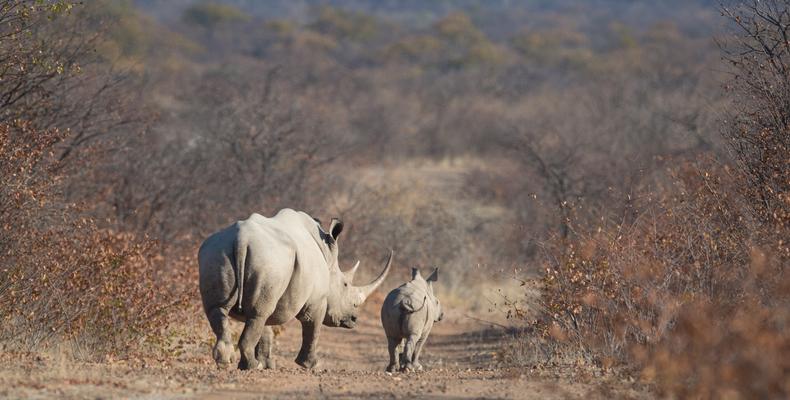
<point>241,262</point>
<point>409,305</point>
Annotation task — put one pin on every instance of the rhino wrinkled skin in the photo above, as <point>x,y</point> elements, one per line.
<point>288,268</point>
<point>408,313</point>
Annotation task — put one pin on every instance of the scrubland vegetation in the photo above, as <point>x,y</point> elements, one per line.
<point>626,163</point>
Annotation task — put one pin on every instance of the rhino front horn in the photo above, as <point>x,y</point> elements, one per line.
<point>369,288</point>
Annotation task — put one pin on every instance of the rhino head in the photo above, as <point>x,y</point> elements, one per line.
<point>345,299</point>
<point>427,285</point>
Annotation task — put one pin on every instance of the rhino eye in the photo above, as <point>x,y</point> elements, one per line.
<point>345,284</point>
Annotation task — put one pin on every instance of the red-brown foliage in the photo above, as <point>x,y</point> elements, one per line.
<point>694,294</point>
<point>61,277</point>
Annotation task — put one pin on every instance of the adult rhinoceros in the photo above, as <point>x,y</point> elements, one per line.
<point>266,271</point>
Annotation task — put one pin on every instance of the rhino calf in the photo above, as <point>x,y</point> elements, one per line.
<point>409,312</point>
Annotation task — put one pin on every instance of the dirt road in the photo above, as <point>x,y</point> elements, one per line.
<point>460,359</point>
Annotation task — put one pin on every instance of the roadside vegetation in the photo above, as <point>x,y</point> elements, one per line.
<point>688,288</point>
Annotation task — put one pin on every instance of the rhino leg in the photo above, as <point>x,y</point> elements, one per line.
<point>417,351</point>
<point>263,351</point>
<point>250,336</point>
<point>393,345</point>
<point>408,352</point>
<point>224,353</point>
<point>308,354</point>
<point>400,353</point>
<point>311,320</point>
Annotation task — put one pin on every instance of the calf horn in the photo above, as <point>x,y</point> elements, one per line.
<point>369,288</point>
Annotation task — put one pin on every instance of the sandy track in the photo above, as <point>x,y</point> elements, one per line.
<point>460,360</point>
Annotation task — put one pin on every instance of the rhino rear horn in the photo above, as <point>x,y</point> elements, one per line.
<point>350,273</point>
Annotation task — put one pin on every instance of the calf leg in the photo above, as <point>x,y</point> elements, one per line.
<point>408,351</point>
<point>250,336</point>
<point>263,351</point>
<point>401,354</point>
<point>223,352</point>
<point>392,347</point>
<point>417,351</point>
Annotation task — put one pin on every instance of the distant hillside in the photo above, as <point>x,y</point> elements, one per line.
<point>494,16</point>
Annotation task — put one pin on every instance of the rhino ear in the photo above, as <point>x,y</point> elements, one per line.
<point>335,227</point>
<point>434,275</point>
<point>415,273</point>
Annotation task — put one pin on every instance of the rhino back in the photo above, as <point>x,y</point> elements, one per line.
<point>270,264</point>
<point>280,268</point>
<point>305,234</point>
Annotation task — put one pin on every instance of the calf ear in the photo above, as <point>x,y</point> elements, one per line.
<point>335,227</point>
<point>415,273</point>
<point>434,276</point>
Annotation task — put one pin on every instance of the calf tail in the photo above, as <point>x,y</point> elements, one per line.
<point>241,262</point>
<point>408,305</point>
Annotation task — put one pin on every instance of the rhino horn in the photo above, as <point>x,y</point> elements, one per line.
<point>350,273</point>
<point>369,288</point>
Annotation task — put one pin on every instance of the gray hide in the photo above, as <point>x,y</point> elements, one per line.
<point>287,266</point>
<point>408,313</point>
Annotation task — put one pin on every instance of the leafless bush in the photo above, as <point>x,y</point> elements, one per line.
<point>631,294</point>
<point>62,279</point>
<point>30,67</point>
<point>693,291</point>
<point>758,135</point>
<point>53,77</point>
<point>237,147</point>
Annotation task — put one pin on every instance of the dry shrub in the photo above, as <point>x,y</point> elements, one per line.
<point>25,175</point>
<point>94,288</point>
<point>758,134</point>
<point>61,277</point>
<point>693,293</point>
<point>712,353</point>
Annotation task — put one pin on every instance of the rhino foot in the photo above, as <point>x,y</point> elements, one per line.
<point>392,368</point>
<point>411,367</point>
<point>223,365</point>
<point>269,363</point>
<point>248,365</point>
<point>308,362</point>
<point>223,354</point>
